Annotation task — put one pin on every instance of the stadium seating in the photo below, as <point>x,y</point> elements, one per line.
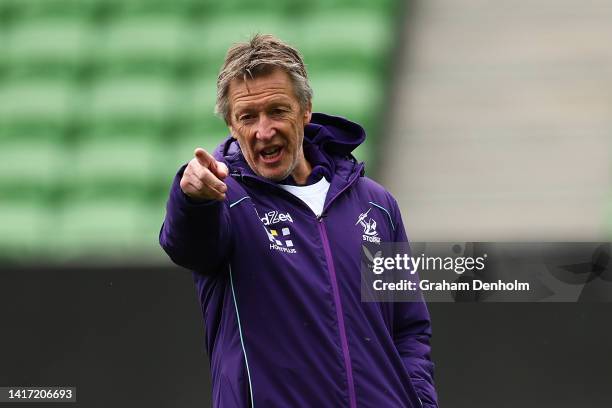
<point>102,100</point>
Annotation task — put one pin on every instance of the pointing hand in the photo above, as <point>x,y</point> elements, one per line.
<point>203,177</point>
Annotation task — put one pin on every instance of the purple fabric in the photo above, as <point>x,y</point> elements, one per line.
<point>339,313</point>
<point>280,289</point>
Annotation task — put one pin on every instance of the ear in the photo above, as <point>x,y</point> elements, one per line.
<point>308,113</point>
<point>232,131</point>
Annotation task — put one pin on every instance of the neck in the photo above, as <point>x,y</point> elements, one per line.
<point>301,172</point>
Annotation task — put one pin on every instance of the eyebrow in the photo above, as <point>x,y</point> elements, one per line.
<point>280,101</point>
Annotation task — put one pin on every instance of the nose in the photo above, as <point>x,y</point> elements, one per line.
<point>265,128</point>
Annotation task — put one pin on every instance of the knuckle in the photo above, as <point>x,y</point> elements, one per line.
<point>184,184</point>
<point>191,167</point>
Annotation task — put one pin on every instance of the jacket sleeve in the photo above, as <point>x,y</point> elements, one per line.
<point>195,235</point>
<point>412,333</point>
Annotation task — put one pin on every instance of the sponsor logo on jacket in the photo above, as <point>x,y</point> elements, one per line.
<point>280,240</point>
<point>369,227</point>
<point>273,217</point>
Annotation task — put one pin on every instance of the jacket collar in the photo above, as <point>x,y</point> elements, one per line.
<point>328,145</point>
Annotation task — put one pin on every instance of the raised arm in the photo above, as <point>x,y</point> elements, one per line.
<point>195,232</point>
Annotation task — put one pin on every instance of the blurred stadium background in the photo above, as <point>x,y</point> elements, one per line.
<point>103,100</point>
<point>487,120</point>
<point>493,121</point>
<point>502,121</point>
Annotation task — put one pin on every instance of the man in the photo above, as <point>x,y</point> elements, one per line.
<point>270,225</point>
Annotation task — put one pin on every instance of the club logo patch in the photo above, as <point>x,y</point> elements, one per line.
<point>369,227</point>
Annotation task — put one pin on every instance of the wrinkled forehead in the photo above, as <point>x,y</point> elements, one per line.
<point>267,86</point>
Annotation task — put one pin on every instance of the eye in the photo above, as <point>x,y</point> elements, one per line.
<point>245,117</point>
<point>278,111</point>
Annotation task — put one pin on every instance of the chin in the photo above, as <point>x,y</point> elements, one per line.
<point>275,175</point>
<point>270,175</point>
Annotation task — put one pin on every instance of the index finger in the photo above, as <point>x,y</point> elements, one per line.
<point>204,158</point>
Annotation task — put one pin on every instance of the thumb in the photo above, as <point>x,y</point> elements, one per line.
<point>220,170</point>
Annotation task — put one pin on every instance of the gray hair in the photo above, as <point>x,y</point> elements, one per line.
<point>259,56</point>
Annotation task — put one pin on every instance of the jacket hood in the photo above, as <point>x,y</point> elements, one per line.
<point>334,135</point>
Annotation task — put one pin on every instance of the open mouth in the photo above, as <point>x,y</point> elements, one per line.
<point>271,154</point>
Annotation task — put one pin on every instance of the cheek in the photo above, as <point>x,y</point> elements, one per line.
<point>246,142</point>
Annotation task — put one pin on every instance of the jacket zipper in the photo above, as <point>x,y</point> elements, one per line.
<point>339,313</point>
<point>332,275</point>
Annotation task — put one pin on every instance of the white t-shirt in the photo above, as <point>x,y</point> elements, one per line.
<point>313,195</point>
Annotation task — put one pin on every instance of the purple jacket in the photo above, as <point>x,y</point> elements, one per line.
<point>280,287</point>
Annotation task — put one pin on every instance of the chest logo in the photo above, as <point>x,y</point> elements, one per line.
<point>274,217</point>
<point>369,227</point>
<point>280,240</point>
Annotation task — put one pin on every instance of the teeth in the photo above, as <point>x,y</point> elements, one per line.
<point>270,151</point>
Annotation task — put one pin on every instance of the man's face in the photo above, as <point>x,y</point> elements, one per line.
<point>267,121</point>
